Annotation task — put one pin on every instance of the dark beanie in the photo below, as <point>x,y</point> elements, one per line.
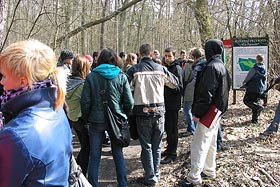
<point>66,54</point>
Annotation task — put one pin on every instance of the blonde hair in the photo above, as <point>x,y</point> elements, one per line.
<point>130,60</point>
<point>35,61</point>
<point>80,66</point>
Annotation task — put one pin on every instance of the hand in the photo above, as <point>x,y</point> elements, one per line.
<point>195,119</point>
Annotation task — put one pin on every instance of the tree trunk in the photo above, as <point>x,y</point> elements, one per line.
<point>3,15</point>
<point>203,19</point>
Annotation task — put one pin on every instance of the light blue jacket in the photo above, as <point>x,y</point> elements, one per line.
<point>35,145</point>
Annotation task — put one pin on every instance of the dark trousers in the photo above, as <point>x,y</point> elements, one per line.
<point>171,129</point>
<point>252,100</point>
<point>82,133</point>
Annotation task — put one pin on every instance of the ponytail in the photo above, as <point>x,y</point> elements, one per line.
<point>60,79</point>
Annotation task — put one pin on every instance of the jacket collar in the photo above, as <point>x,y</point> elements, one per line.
<point>43,97</point>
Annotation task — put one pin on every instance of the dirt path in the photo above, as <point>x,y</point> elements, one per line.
<point>246,160</point>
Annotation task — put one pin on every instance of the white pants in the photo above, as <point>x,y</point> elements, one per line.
<point>203,152</point>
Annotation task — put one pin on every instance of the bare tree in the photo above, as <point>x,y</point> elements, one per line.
<point>3,11</point>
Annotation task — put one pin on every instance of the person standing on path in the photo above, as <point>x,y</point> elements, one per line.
<point>148,80</point>
<point>172,102</point>
<point>211,88</point>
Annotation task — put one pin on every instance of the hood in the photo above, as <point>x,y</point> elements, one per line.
<point>107,71</point>
<point>260,68</point>
<point>73,82</point>
<point>213,47</point>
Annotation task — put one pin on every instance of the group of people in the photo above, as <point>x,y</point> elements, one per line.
<point>43,99</point>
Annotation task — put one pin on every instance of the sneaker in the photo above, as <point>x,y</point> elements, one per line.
<point>186,134</point>
<point>185,183</point>
<point>164,154</point>
<point>167,160</point>
<point>267,133</point>
<point>145,182</point>
<point>204,176</point>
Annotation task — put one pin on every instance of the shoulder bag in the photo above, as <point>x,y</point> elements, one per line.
<point>117,126</point>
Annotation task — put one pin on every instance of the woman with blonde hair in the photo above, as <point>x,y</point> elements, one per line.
<point>130,61</point>
<point>35,142</point>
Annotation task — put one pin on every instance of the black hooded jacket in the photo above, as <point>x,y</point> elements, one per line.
<point>213,82</point>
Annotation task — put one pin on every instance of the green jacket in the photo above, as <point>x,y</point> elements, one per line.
<point>74,91</point>
<point>119,95</point>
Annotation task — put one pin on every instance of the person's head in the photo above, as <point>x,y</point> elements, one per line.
<point>156,54</point>
<point>197,53</point>
<point>66,56</point>
<point>131,59</point>
<point>95,55</point>
<point>122,55</point>
<point>80,66</point>
<point>183,54</point>
<point>108,56</point>
<point>145,50</point>
<point>259,58</point>
<point>169,54</point>
<point>26,62</point>
<point>89,57</point>
<point>213,47</point>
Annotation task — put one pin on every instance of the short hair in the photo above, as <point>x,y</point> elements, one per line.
<point>145,49</point>
<point>260,57</point>
<point>197,53</point>
<point>95,54</point>
<point>156,51</point>
<point>107,56</point>
<point>80,66</point>
<point>37,62</point>
<point>183,51</point>
<point>170,49</point>
<point>122,54</point>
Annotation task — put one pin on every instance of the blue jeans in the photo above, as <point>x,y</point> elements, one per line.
<point>219,136</point>
<point>188,115</point>
<point>96,139</point>
<point>273,127</point>
<point>150,132</point>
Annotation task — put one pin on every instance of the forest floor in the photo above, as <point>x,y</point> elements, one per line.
<point>247,159</point>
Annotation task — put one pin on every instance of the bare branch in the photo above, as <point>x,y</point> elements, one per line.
<point>96,22</point>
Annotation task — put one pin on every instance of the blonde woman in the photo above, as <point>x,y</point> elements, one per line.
<point>130,61</point>
<point>35,142</point>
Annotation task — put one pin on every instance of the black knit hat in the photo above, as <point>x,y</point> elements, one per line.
<point>66,54</point>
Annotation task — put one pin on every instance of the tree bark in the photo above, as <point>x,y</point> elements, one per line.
<point>3,15</point>
<point>203,19</point>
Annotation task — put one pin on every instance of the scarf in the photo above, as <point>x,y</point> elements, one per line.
<point>10,94</point>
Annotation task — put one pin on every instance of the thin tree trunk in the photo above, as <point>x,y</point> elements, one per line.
<point>3,15</point>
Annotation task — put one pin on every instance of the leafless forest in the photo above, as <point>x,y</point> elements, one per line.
<point>90,25</point>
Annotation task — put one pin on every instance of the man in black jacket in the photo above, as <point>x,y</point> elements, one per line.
<point>211,88</point>
<point>172,101</point>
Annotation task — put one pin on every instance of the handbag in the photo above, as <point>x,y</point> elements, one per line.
<point>117,125</point>
<point>76,176</point>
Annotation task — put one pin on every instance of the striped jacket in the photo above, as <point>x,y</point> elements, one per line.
<point>148,79</point>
